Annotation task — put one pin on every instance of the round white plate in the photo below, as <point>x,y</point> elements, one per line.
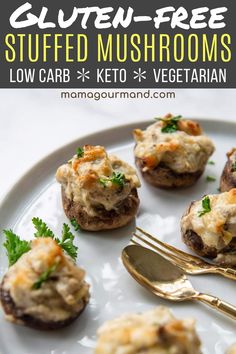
<point>113,291</point>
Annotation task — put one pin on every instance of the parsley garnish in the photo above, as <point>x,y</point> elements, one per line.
<point>211,162</point>
<point>170,124</point>
<point>233,169</point>
<point>15,246</point>
<point>210,179</point>
<point>75,224</point>
<point>117,178</point>
<point>67,237</point>
<point>66,242</point>
<point>42,228</point>
<point>44,276</point>
<point>206,206</point>
<point>80,152</point>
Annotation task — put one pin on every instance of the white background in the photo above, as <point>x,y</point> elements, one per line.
<point>33,123</point>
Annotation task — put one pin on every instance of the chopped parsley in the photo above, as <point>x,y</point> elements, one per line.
<point>211,162</point>
<point>44,276</point>
<point>15,246</point>
<point>206,206</point>
<point>75,224</point>
<point>80,152</point>
<point>233,169</point>
<point>117,178</point>
<point>170,124</point>
<point>210,179</point>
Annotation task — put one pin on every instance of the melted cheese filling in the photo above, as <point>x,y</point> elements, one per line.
<point>153,332</point>
<point>58,298</point>
<point>80,179</point>
<point>217,228</point>
<point>180,151</point>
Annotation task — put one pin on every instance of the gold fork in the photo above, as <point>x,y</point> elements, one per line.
<point>188,263</point>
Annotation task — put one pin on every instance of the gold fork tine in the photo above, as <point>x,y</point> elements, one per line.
<point>175,259</point>
<point>181,254</point>
<point>190,264</point>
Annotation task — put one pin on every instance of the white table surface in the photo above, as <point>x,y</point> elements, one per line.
<point>33,123</point>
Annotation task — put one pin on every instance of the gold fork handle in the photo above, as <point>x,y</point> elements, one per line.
<point>226,272</point>
<point>222,306</point>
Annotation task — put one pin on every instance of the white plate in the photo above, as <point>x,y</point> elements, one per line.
<point>113,291</point>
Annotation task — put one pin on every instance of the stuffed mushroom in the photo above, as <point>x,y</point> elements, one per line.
<point>153,332</point>
<point>228,177</point>
<point>44,288</point>
<point>209,227</point>
<point>99,191</point>
<point>172,152</point>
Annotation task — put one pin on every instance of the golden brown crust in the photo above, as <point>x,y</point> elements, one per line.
<point>18,316</point>
<point>105,220</point>
<point>190,127</point>
<point>163,177</point>
<point>228,179</point>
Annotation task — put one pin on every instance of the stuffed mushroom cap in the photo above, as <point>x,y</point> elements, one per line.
<point>99,190</point>
<point>49,304</point>
<point>153,332</point>
<point>172,152</point>
<point>209,227</point>
<point>228,177</point>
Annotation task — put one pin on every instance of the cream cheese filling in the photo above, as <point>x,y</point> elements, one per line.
<point>217,228</point>
<point>155,331</point>
<point>178,150</point>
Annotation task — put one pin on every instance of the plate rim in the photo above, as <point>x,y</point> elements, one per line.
<point>95,136</point>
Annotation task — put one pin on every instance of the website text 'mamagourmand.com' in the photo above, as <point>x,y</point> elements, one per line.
<point>113,94</point>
